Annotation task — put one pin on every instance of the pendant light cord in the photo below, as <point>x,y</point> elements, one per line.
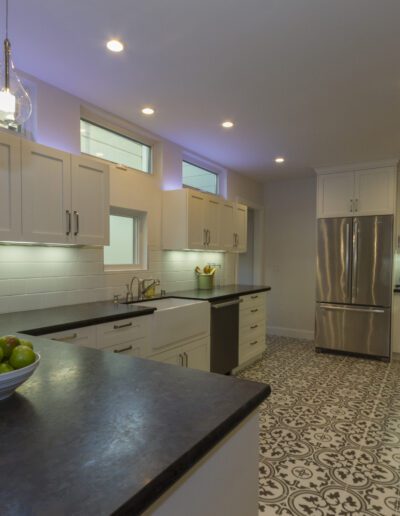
<point>6,19</point>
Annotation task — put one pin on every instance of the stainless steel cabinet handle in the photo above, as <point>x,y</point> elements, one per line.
<point>254,310</point>
<point>118,326</point>
<point>180,359</point>
<point>204,237</point>
<point>123,349</point>
<point>224,305</point>
<point>254,343</point>
<point>356,205</point>
<point>76,214</point>
<point>352,309</point>
<point>69,222</point>
<point>254,327</point>
<point>66,337</point>
<point>351,205</point>
<point>187,359</point>
<point>254,297</point>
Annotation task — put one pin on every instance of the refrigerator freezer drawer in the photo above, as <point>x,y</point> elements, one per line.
<point>358,329</point>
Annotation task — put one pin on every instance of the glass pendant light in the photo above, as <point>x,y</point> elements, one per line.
<point>15,103</point>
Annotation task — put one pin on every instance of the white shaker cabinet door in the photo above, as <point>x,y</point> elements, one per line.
<point>335,194</point>
<point>46,194</point>
<point>196,227</point>
<point>90,201</point>
<point>375,191</point>
<point>227,226</point>
<point>241,228</point>
<point>212,223</point>
<point>10,187</point>
<point>197,355</point>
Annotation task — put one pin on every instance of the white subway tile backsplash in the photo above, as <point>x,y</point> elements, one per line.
<point>41,277</point>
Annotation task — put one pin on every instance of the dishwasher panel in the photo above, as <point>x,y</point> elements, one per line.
<point>224,336</point>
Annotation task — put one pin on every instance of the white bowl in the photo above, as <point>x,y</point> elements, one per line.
<point>12,380</point>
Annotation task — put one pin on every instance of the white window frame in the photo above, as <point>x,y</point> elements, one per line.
<point>103,122</point>
<point>142,251</point>
<point>208,166</point>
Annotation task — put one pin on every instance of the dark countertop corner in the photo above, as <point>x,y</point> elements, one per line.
<point>219,293</point>
<point>397,288</point>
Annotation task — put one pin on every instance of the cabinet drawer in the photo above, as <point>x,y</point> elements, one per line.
<point>250,316</point>
<point>123,330</point>
<point>246,332</point>
<point>85,336</point>
<point>250,348</point>
<point>252,300</point>
<point>131,348</point>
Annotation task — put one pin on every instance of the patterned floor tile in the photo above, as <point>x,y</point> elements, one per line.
<point>329,433</point>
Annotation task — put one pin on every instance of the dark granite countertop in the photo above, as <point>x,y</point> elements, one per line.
<point>48,320</point>
<point>94,433</point>
<point>220,293</point>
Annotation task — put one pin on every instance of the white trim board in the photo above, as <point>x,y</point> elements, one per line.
<point>291,332</point>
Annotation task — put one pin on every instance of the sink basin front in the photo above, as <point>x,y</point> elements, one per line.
<point>168,303</point>
<point>177,320</point>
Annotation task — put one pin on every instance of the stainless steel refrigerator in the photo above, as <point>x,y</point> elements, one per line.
<point>354,284</point>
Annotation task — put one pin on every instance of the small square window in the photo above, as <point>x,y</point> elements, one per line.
<point>199,178</point>
<point>127,249</point>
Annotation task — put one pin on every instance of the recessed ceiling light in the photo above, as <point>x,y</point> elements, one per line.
<point>115,46</point>
<point>148,111</point>
<point>227,124</point>
<point>279,160</point>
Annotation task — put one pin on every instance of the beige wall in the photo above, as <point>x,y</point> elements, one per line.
<point>290,211</point>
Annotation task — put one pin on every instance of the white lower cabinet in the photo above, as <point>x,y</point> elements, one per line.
<point>85,336</point>
<point>252,326</point>
<point>194,355</point>
<point>132,337</point>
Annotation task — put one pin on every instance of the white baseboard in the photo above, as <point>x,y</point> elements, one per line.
<point>291,332</point>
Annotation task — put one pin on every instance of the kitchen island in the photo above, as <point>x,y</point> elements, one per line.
<point>98,433</point>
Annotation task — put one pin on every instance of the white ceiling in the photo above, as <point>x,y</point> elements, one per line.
<point>317,81</point>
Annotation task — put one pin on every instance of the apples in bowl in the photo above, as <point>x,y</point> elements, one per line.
<point>18,361</point>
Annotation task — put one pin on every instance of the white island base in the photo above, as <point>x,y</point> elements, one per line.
<point>223,483</point>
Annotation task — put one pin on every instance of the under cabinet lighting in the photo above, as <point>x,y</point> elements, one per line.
<point>227,124</point>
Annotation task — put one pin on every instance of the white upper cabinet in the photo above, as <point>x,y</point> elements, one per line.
<point>46,193</point>
<point>375,191</point>
<point>361,191</point>
<point>196,235</point>
<point>212,218</point>
<point>10,187</point>
<point>49,196</point>
<point>241,228</point>
<point>195,220</point>
<point>90,201</point>
<point>228,214</point>
<point>335,193</point>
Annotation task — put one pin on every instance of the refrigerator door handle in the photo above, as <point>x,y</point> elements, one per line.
<point>352,309</point>
<point>355,260</point>
<point>348,271</point>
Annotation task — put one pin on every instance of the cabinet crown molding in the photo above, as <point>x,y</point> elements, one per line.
<point>358,166</point>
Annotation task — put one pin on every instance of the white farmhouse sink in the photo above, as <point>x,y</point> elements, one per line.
<point>177,320</point>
